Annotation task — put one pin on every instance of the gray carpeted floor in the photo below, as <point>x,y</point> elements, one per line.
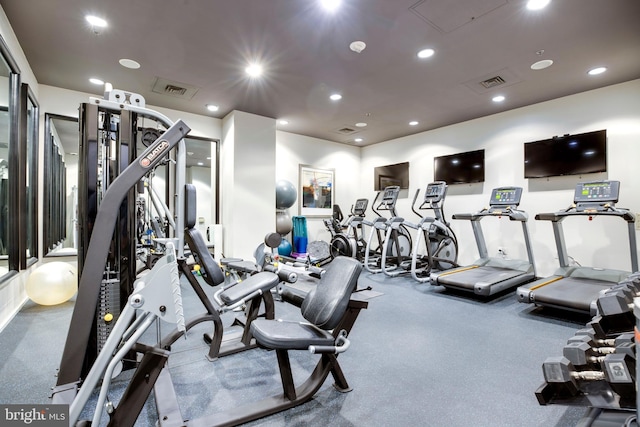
<point>420,356</point>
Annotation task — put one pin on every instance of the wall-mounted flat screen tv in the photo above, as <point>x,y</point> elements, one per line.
<point>386,176</point>
<point>461,168</point>
<point>566,155</point>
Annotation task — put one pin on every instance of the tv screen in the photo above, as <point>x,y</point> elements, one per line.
<point>386,176</point>
<point>566,155</point>
<point>461,168</point>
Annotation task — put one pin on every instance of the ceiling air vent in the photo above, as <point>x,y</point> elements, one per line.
<point>493,82</point>
<point>346,130</point>
<point>175,90</point>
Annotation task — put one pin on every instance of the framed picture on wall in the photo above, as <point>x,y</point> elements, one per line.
<point>316,191</point>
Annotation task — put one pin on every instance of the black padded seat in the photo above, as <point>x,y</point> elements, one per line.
<point>225,261</point>
<point>240,266</point>
<point>263,281</point>
<point>324,308</point>
<point>279,334</point>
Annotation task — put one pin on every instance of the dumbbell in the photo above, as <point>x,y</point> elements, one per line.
<point>614,302</point>
<point>619,373</point>
<point>588,336</point>
<point>606,327</point>
<point>583,354</point>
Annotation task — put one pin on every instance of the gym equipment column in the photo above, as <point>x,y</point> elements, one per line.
<point>107,147</point>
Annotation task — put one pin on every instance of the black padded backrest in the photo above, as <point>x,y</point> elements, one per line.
<point>190,206</point>
<point>325,305</point>
<point>213,275</point>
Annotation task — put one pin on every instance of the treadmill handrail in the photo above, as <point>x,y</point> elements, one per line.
<point>561,215</point>
<point>512,214</point>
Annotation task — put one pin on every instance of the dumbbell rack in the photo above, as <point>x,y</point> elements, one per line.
<point>598,368</point>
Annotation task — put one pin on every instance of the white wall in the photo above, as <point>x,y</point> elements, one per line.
<point>293,150</point>
<point>247,162</point>
<point>601,243</point>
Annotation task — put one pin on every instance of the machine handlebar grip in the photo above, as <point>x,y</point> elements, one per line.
<point>292,296</point>
<point>283,274</point>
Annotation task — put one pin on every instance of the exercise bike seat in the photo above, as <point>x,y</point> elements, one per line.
<point>258,283</point>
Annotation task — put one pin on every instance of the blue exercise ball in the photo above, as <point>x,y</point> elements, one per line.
<point>285,248</point>
<point>286,194</point>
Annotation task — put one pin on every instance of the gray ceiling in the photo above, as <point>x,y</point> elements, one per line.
<point>204,46</point>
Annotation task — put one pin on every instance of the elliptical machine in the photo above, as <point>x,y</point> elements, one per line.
<point>349,241</point>
<point>440,242</point>
<point>393,241</point>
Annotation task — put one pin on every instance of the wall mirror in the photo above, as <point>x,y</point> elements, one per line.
<point>4,171</point>
<point>201,171</point>
<point>29,117</point>
<point>60,196</point>
<point>9,162</point>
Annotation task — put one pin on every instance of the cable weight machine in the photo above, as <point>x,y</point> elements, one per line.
<point>107,260</point>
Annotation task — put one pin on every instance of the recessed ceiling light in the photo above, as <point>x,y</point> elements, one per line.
<point>190,153</point>
<point>413,123</point>
<point>537,4</point>
<point>95,21</point>
<point>541,65</point>
<point>208,158</point>
<point>330,5</point>
<point>335,97</point>
<point>96,81</point>
<point>357,46</point>
<point>498,98</point>
<point>358,140</point>
<point>200,164</point>
<point>212,107</point>
<point>361,124</point>
<point>596,71</point>
<point>426,53</point>
<point>129,63</point>
<point>254,70</point>
<point>283,122</point>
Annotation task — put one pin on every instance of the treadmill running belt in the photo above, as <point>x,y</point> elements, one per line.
<point>572,293</point>
<point>467,279</point>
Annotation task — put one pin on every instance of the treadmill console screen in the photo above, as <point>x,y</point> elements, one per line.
<point>506,196</point>
<point>597,192</point>
<point>435,191</point>
<point>360,207</point>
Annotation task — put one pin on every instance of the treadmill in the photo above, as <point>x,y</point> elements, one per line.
<point>577,288</point>
<point>489,275</point>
